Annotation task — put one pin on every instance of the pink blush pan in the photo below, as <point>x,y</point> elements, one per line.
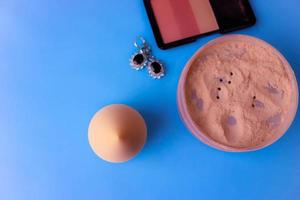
<point>204,15</point>
<point>180,19</point>
<point>237,94</point>
<point>177,22</point>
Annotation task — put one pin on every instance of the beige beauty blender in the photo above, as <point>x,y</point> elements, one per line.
<point>117,133</point>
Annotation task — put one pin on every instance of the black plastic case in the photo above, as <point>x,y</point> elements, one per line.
<point>231,15</point>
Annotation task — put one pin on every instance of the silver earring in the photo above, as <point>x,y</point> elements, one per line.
<point>155,68</point>
<point>144,58</point>
<point>140,59</point>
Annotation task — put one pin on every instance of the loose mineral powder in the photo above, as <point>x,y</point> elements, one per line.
<point>238,94</point>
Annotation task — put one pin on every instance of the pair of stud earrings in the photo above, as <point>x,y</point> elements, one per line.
<point>143,58</point>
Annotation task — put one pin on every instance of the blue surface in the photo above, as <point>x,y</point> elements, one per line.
<point>61,61</point>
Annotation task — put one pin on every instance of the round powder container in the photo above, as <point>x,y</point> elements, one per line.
<point>237,93</point>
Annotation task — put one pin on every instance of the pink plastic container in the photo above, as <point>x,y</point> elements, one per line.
<point>196,130</point>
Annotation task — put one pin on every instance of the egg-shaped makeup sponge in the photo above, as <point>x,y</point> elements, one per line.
<point>117,133</point>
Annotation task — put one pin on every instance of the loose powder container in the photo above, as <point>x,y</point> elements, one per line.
<point>237,93</point>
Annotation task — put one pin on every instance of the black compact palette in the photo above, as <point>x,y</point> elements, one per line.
<point>177,22</point>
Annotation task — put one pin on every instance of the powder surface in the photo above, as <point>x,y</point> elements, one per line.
<point>240,93</point>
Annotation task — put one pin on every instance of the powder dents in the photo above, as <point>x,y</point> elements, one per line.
<point>241,93</point>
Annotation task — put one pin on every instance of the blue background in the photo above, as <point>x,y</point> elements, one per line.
<point>62,60</point>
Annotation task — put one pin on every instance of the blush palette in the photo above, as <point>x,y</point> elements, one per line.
<point>176,22</point>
